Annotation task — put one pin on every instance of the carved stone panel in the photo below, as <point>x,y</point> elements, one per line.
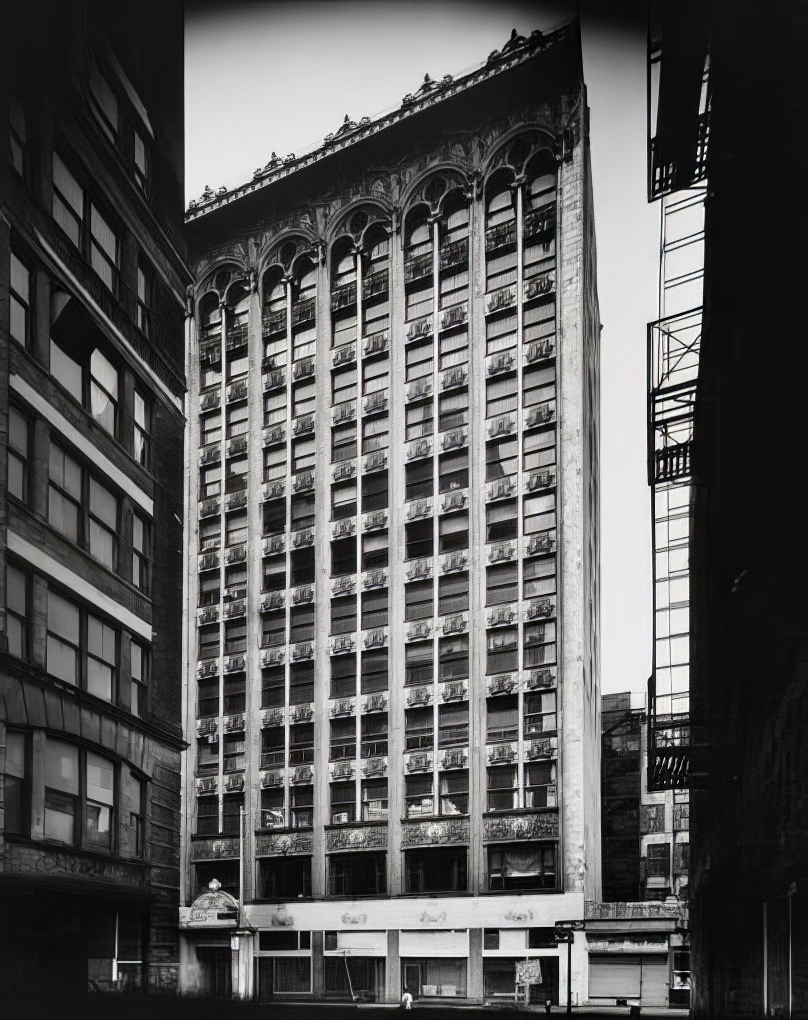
<point>450,830</point>
<point>214,849</point>
<point>369,838</point>
<point>283,843</point>
<point>541,826</point>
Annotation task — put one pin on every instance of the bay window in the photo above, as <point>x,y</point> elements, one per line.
<point>17,611</point>
<point>80,218</point>
<point>80,794</point>
<point>93,381</point>
<point>15,798</point>
<point>139,671</point>
<point>142,426</point>
<point>20,301</point>
<point>82,649</point>
<point>19,453</point>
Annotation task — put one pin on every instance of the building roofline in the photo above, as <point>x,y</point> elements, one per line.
<point>517,50</point>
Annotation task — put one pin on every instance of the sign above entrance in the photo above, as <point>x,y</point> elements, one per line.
<point>213,909</point>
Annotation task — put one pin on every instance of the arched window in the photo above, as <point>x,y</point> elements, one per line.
<point>304,308</point>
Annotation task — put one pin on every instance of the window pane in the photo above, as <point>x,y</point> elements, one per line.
<point>103,390</point>
<point>106,102</point>
<point>67,185</point>
<point>59,817</point>
<point>20,278</point>
<point>63,618</point>
<point>100,779</point>
<point>103,234</point>
<point>61,766</point>
<point>15,591</point>
<point>103,504</point>
<point>66,371</point>
<point>63,638</point>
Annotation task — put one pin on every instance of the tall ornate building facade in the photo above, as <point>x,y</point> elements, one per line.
<point>392,611</point>
<point>92,381</point>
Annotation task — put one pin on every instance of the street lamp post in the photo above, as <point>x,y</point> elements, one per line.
<point>564,931</point>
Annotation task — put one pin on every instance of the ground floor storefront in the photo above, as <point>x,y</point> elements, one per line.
<point>638,953</point>
<point>65,945</point>
<point>469,950</point>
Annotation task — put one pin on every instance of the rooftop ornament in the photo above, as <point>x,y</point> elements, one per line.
<point>428,85</point>
<point>516,42</point>
<point>274,161</point>
<point>206,196</point>
<point>347,127</point>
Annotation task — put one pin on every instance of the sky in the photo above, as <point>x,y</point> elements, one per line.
<point>266,76</point>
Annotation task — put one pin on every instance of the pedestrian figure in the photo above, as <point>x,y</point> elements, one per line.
<point>406,1000</point>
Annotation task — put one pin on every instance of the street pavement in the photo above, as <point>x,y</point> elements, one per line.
<point>102,1007</point>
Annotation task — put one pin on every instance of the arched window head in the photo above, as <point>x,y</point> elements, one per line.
<point>433,191</point>
<point>342,258</point>
<point>523,150</point>
<point>221,280</point>
<point>273,289</point>
<point>454,213</point>
<point>417,229</point>
<point>356,222</point>
<point>499,193</point>
<point>304,278</point>
<point>209,311</point>
<point>541,175</point>
<point>375,242</point>
<point>237,298</point>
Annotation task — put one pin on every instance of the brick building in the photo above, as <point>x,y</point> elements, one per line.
<point>92,291</point>
<point>637,937</point>
<point>737,737</point>
<point>393,695</point>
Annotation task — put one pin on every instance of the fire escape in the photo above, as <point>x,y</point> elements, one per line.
<point>678,107</point>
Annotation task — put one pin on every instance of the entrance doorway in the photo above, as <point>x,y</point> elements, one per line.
<point>412,979</point>
<point>216,973</point>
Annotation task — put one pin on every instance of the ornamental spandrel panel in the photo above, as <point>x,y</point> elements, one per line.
<point>22,859</point>
<point>450,830</point>
<point>214,849</point>
<point>540,826</point>
<point>360,838</point>
<point>280,844</point>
